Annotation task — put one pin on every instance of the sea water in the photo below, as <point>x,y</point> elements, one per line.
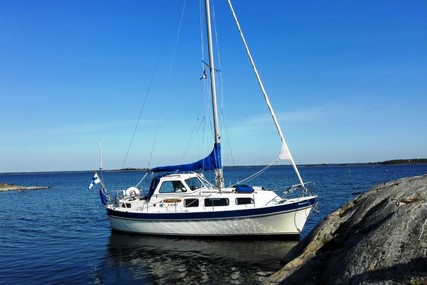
<point>62,235</point>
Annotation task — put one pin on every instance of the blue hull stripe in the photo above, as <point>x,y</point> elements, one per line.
<point>212,215</point>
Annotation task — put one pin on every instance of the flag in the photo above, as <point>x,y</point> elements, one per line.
<point>95,180</point>
<point>104,196</point>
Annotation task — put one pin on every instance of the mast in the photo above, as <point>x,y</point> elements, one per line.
<point>219,178</point>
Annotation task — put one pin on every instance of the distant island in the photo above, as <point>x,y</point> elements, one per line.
<point>404,161</point>
<point>13,187</point>
<point>131,169</point>
<point>387,162</point>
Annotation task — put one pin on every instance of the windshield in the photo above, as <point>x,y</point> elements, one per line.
<point>194,183</point>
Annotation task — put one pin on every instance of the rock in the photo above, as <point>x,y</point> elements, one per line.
<point>378,238</point>
<point>13,187</point>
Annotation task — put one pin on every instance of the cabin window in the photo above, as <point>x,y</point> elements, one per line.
<point>191,203</point>
<point>215,202</point>
<point>244,201</point>
<point>167,187</point>
<point>172,186</point>
<point>194,183</point>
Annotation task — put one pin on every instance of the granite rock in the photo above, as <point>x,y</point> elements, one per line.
<point>380,237</point>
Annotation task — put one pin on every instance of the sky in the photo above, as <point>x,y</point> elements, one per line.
<point>347,80</point>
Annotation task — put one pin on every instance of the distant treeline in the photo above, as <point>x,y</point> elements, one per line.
<point>404,161</point>
<point>387,162</point>
<point>131,169</point>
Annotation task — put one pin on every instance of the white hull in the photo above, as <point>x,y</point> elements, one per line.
<point>287,223</point>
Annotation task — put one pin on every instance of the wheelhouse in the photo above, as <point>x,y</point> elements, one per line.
<point>177,183</point>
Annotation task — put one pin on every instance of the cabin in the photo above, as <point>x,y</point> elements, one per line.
<point>192,192</point>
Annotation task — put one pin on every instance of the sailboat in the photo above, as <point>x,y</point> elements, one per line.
<point>182,202</point>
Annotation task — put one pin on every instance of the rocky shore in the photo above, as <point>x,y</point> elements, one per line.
<point>13,187</point>
<point>378,238</point>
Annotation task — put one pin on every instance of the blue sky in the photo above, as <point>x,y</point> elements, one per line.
<point>347,80</point>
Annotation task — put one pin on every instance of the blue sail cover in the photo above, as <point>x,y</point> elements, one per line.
<point>212,161</point>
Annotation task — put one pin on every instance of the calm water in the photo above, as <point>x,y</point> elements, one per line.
<point>62,235</point>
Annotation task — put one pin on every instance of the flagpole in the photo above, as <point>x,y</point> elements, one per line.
<point>100,165</point>
<point>100,155</point>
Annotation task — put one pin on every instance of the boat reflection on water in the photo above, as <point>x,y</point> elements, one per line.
<point>168,260</point>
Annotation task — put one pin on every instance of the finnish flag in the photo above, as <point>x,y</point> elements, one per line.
<point>95,180</point>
